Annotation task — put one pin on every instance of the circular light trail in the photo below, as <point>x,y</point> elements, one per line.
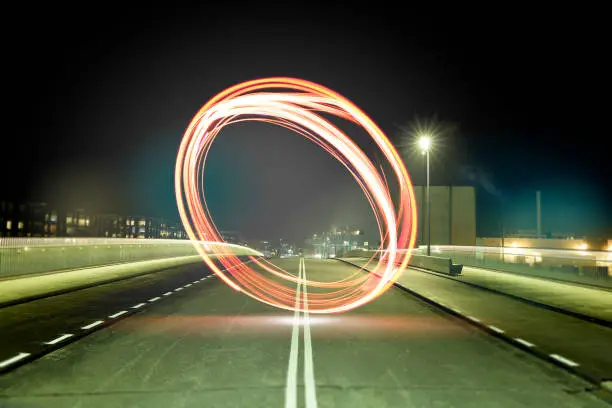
<point>297,105</point>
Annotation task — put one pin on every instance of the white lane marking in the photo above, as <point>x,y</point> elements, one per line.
<point>12,360</point>
<point>155,299</point>
<point>291,387</point>
<point>94,324</point>
<point>474,319</point>
<point>60,338</point>
<point>188,285</point>
<point>309,381</point>
<point>167,293</point>
<point>524,342</point>
<point>178,289</point>
<point>138,306</point>
<point>118,314</point>
<point>564,360</point>
<point>496,329</point>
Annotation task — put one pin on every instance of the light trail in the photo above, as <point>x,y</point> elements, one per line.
<point>298,105</point>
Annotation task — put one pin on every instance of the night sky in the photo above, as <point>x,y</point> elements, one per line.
<point>99,99</point>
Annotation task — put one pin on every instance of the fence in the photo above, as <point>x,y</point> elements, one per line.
<point>21,256</point>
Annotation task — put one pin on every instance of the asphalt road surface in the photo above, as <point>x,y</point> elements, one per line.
<point>209,346</point>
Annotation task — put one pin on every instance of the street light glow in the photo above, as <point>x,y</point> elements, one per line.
<point>425,143</point>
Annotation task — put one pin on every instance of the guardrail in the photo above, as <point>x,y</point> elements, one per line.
<point>575,266</point>
<point>24,256</point>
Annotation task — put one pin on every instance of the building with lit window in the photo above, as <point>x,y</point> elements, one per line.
<point>30,219</point>
<point>153,227</point>
<point>77,223</point>
<point>336,242</point>
<point>109,226</point>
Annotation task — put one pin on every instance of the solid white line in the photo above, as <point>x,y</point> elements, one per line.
<point>291,387</point>
<point>94,324</point>
<point>118,314</point>
<point>167,293</point>
<point>138,306</point>
<point>12,360</point>
<point>564,360</point>
<point>155,299</point>
<point>474,319</point>
<point>524,342</point>
<point>309,381</point>
<point>60,338</point>
<point>496,329</point>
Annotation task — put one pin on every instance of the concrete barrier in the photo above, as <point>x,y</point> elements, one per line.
<point>439,264</point>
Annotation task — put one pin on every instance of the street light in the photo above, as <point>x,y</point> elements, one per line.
<point>425,145</point>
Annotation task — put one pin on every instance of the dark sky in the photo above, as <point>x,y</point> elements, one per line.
<point>99,99</point>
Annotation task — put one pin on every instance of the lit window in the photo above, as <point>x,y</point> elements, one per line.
<point>20,225</point>
<point>9,224</point>
<point>143,222</point>
<point>68,220</point>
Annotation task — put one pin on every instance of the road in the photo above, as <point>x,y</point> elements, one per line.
<point>209,346</point>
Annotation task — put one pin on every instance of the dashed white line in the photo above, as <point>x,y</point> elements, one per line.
<point>60,338</point>
<point>12,360</point>
<point>524,342</point>
<point>178,289</point>
<point>138,306</point>
<point>94,324</point>
<point>564,360</point>
<point>118,314</point>
<point>496,329</point>
<point>474,319</point>
<point>155,299</point>
<point>188,285</point>
<point>167,293</point>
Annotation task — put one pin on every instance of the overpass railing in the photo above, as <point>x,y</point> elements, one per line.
<point>24,256</point>
<point>586,267</point>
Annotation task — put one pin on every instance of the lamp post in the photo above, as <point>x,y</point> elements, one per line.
<point>425,145</point>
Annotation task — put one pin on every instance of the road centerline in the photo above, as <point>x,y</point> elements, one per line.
<point>309,380</point>
<point>292,369</point>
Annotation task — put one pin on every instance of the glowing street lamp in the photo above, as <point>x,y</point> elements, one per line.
<point>425,145</point>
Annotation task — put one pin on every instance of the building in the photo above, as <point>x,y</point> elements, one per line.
<point>31,219</point>
<point>453,215</point>
<point>153,227</point>
<point>109,226</point>
<point>336,242</point>
<point>77,223</point>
